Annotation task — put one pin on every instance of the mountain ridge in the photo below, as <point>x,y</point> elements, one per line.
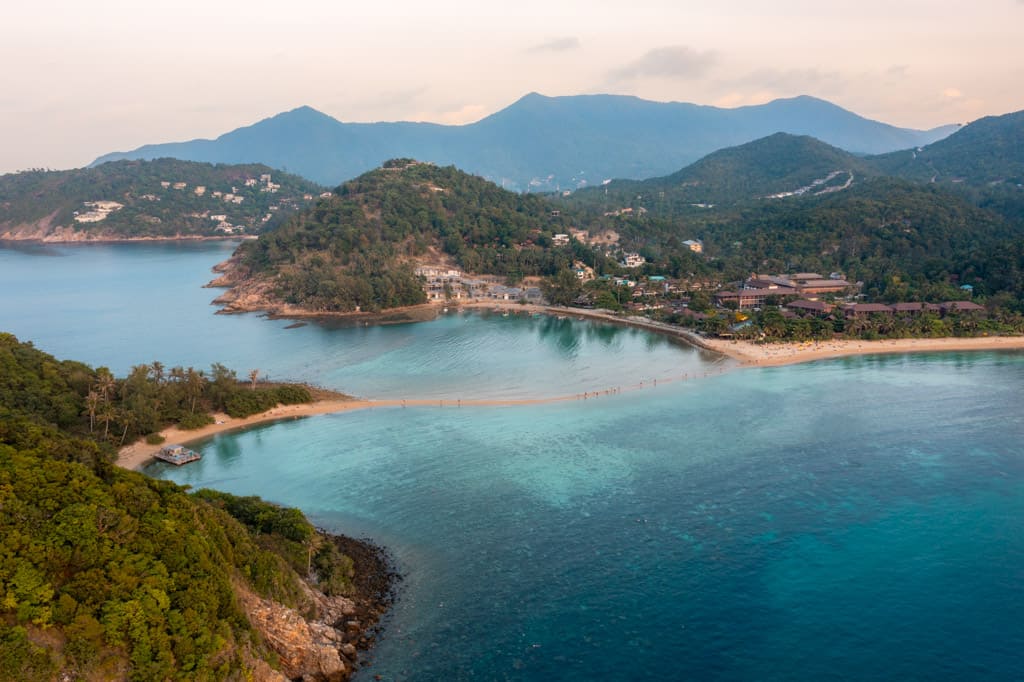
<point>537,142</point>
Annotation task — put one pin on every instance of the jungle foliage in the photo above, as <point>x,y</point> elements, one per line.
<point>355,250</point>
<point>105,573</point>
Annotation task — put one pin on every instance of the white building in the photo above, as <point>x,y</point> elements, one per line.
<point>633,260</point>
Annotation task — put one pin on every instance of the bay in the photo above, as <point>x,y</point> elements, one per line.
<point>858,519</point>
<point>852,519</point>
<point>121,305</point>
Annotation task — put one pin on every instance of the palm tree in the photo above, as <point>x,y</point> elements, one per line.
<point>157,368</point>
<point>92,402</point>
<point>105,382</point>
<point>107,414</point>
<point>194,383</point>
<point>128,417</point>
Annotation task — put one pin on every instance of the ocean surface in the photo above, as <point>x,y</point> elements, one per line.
<point>859,519</point>
<point>121,305</point>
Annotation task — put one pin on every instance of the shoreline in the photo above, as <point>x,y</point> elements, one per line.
<point>780,354</point>
<point>749,354</point>
<point>139,454</point>
<point>744,354</point>
<point>124,240</point>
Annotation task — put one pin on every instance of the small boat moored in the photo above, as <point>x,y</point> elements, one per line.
<point>177,455</point>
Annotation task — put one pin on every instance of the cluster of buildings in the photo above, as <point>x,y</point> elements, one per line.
<point>757,290</point>
<point>446,284</point>
<point>804,308</point>
<point>800,295</point>
<point>97,211</point>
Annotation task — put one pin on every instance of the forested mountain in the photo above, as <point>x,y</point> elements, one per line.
<point>161,198</point>
<point>889,234</point>
<point>777,166</point>
<point>357,249</point>
<point>987,151</point>
<point>984,161</point>
<point>539,143</point>
<point>107,574</point>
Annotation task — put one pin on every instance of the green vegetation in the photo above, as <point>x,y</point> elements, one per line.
<point>774,164</point>
<point>105,573</point>
<point>354,251</point>
<point>150,209</point>
<point>770,325</point>
<point>989,150</point>
<point>119,411</point>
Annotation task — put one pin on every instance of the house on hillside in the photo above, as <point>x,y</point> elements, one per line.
<point>633,260</point>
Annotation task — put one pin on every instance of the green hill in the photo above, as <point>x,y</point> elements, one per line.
<point>984,161</point>
<point>987,151</point>
<point>108,574</point>
<point>777,166</point>
<point>358,248</point>
<point>903,240</point>
<point>162,198</point>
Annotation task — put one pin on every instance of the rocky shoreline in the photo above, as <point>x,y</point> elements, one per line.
<point>244,295</point>
<point>329,640</point>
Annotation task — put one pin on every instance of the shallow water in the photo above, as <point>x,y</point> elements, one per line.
<point>853,519</point>
<point>121,305</point>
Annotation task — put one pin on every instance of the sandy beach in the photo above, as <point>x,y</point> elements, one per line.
<point>746,354</point>
<point>773,354</point>
<point>140,453</point>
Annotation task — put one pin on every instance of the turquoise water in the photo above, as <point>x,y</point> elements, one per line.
<point>853,519</point>
<point>126,304</point>
<point>859,519</point>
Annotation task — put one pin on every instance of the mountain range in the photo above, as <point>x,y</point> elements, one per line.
<point>984,160</point>
<point>539,143</point>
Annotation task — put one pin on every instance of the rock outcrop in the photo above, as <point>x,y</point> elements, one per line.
<point>320,648</point>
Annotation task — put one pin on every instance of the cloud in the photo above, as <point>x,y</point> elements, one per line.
<point>557,45</point>
<point>953,93</point>
<point>675,61</point>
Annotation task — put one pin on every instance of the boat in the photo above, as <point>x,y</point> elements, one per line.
<point>177,455</point>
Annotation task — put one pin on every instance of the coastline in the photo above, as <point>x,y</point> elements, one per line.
<point>778,354</point>
<point>745,354</point>
<point>137,455</point>
<point>123,240</point>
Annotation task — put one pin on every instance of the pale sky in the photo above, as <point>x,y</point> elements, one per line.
<point>81,78</point>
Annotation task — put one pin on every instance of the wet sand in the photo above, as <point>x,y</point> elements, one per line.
<point>138,454</point>
<point>775,354</point>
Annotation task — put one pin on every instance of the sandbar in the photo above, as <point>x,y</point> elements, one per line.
<point>745,353</point>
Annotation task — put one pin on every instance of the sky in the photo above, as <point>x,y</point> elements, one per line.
<point>85,77</point>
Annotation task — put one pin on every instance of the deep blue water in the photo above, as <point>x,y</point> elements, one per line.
<point>854,519</point>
